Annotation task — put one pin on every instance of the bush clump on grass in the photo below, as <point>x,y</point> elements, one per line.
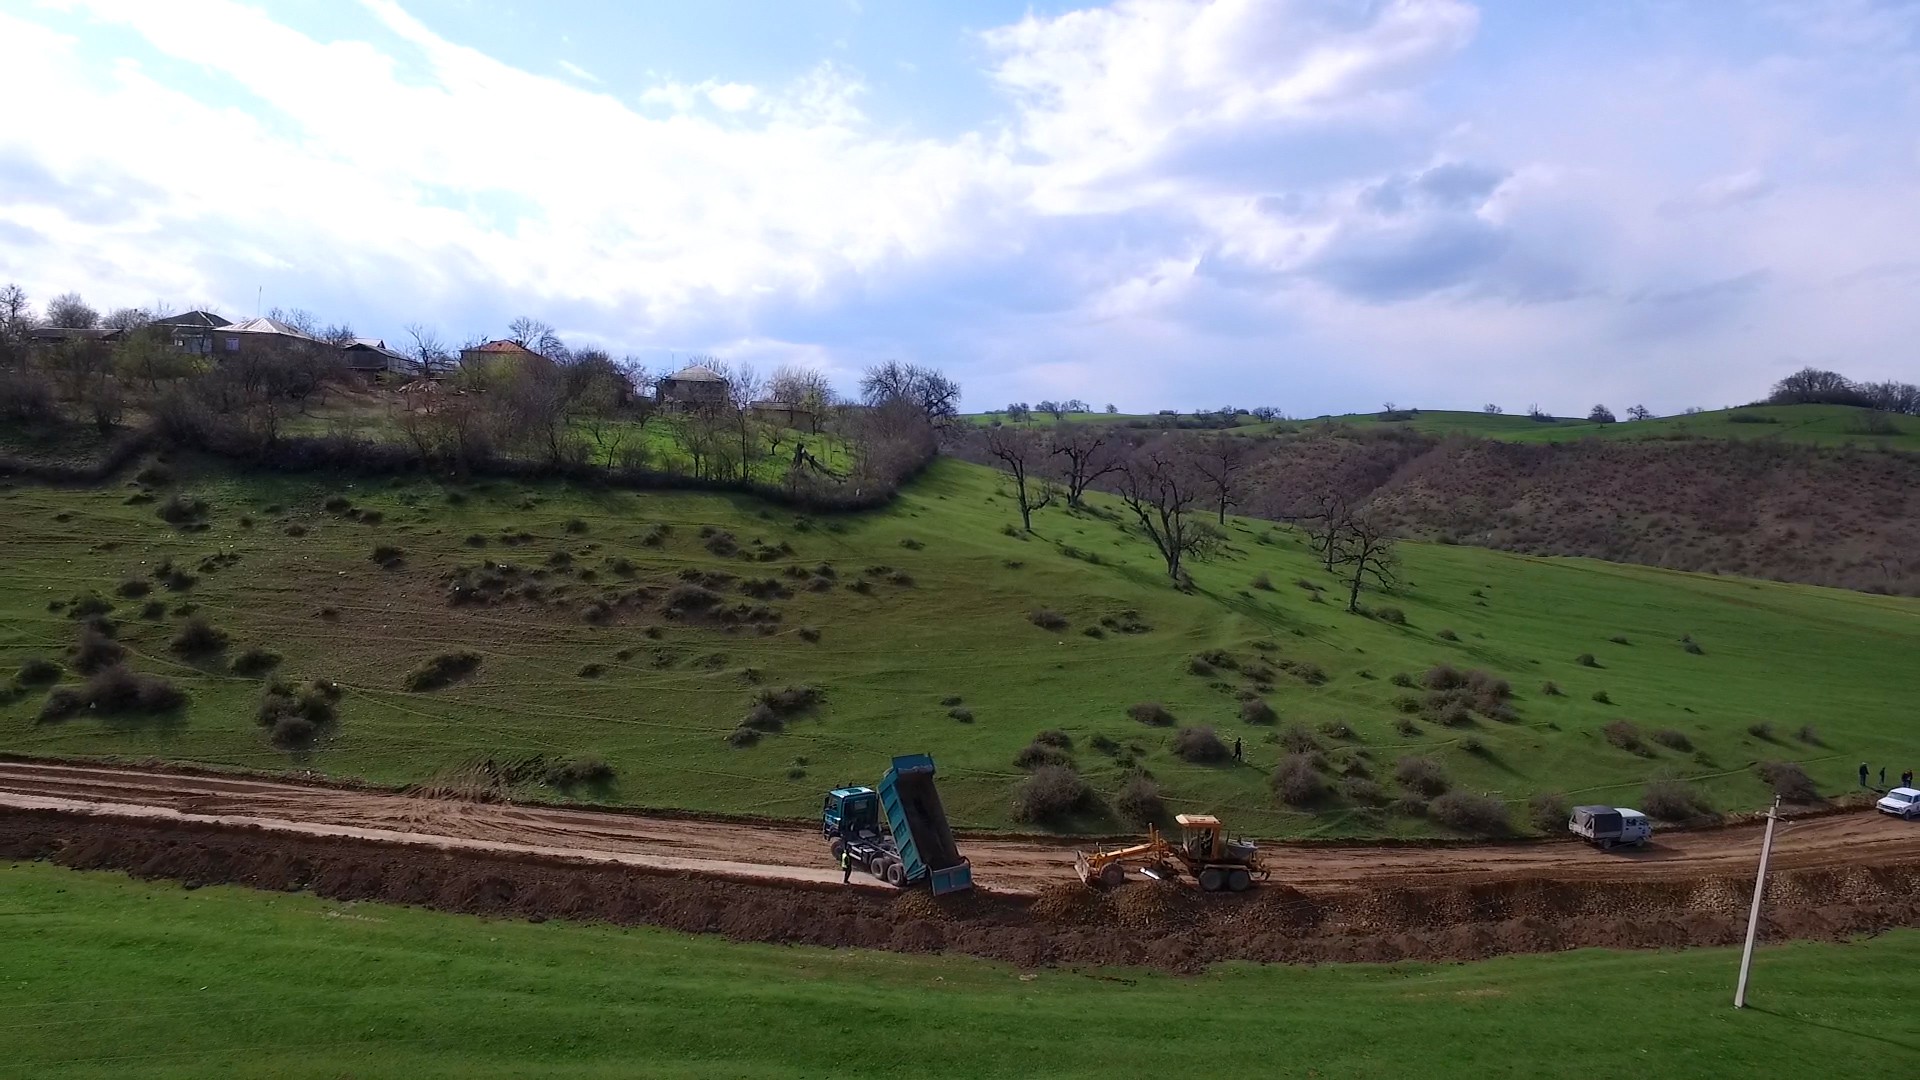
<point>1810,735</point>
<point>742,737</point>
<point>134,588</point>
<point>181,510</point>
<point>114,691</point>
<point>1421,775</point>
<point>1050,795</point>
<point>1448,635</point>
<point>1298,740</point>
<point>1047,619</point>
<point>1406,727</point>
<point>1401,678</point>
<point>255,662</point>
<point>961,713</point>
<point>1548,812</point>
<point>586,769</point>
<point>1138,800</point>
<point>95,650</point>
<point>1255,710</point>
<point>1624,734</point>
<point>1602,697</point>
<point>790,700</point>
<point>1673,740</point>
<point>687,596</point>
<point>1674,800</point>
<point>1586,659</point>
<point>1470,812</point>
<point>1552,689</point>
<point>295,715</point>
<point>1037,754</point>
<point>1363,791</point>
<point>1789,781</point>
<point>1390,615</point>
<point>442,670</point>
<point>1199,745</point>
<point>1151,713</point>
<point>37,671</point>
<point>388,556</point>
<point>198,637</point>
<point>1296,782</point>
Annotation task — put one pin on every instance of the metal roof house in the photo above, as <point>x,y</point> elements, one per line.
<point>260,333</point>
<point>193,331</point>
<point>370,356</point>
<point>692,387</point>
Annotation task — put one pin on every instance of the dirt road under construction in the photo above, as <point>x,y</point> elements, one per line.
<point>1836,874</point>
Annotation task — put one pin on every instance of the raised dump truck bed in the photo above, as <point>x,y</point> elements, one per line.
<point>919,824</point>
<point>898,832</point>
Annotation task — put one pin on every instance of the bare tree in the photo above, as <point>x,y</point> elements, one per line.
<point>1055,409</point>
<point>804,387</point>
<point>1324,516</point>
<point>16,321</point>
<point>127,318</point>
<point>1600,414</point>
<point>535,336</point>
<point>1491,409</point>
<point>1639,412</point>
<point>1159,484</point>
<point>1222,461</point>
<point>1366,552</point>
<point>428,351</point>
<point>299,318</point>
<point>1090,452</point>
<point>68,310</point>
<point>926,389</point>
<point>1024,453</point>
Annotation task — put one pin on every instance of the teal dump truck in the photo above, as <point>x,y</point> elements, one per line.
<point>897,832</point>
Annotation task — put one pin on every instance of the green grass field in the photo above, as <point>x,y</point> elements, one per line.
<point>104,976</point>
<point>943,612</point>
<point>1816,425</point>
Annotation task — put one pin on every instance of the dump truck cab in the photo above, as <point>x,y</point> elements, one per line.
<point>851,812</point>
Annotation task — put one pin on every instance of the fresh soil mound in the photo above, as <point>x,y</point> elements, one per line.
<point>1157,924</point>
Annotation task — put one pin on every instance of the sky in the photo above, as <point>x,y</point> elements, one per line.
<point>1317,205</point>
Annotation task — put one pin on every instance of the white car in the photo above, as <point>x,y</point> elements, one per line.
<point>1901,802</point>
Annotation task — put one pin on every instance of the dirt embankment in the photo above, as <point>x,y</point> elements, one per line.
<point>1147,924</point>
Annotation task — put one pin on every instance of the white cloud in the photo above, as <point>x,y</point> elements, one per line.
<point>579,72</point>
<point>1267,200</point>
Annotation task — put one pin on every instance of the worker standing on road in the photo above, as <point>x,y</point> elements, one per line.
<point>846,867</point>
<point>1863,774</point>
<point>1236,749</point>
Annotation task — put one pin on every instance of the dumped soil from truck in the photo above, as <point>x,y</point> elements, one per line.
<point>1153,924</point>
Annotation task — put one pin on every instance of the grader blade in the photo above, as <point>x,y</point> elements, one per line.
<point>1083,867</point>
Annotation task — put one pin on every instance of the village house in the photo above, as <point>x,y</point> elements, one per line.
<point>193,331</point>
<point>693,387</point>
<point>369,357</point>
<point>257,335</point>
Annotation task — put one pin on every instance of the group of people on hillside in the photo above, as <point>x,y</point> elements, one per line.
<point>1906,778</point>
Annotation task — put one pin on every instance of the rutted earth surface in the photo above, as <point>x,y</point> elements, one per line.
<point>1836,875</point>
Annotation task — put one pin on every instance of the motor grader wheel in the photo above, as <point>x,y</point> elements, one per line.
<point>1212,879</point>
<point>1113,875</point>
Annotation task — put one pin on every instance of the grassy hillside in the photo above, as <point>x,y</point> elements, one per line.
<point>115,978</point>
<point>917,605</point>
<point>1816,425</point>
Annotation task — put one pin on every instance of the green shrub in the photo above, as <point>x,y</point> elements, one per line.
<point>442,670</point>
<point>1050,795</point>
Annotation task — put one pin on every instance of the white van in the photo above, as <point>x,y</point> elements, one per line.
<point>1610,826</point>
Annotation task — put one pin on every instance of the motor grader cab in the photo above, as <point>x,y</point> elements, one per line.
<point>1203,851</point>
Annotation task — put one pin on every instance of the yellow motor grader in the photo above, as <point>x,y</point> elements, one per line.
<point>1203,852</point>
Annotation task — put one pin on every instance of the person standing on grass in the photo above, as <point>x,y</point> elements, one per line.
<point>1906,778</point>
<point>1236,748</point>
<point>1863,774</point>
<point>846,867</point>
<point>1883,776</point>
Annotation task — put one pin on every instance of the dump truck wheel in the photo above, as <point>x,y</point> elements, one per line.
<point>837,847</point>
<point>1113,874</point>
<point>877,866</point>
<point>1211,879</point>
<point>1239,881</point>
<point>896,874</point>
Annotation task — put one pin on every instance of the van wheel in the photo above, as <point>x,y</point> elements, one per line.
<point>1606,845</point>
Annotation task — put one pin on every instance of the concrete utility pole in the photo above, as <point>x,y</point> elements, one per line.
<point>1753,913</point>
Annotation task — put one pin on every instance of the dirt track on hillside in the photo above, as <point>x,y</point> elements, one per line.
<point>1837,874</point>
